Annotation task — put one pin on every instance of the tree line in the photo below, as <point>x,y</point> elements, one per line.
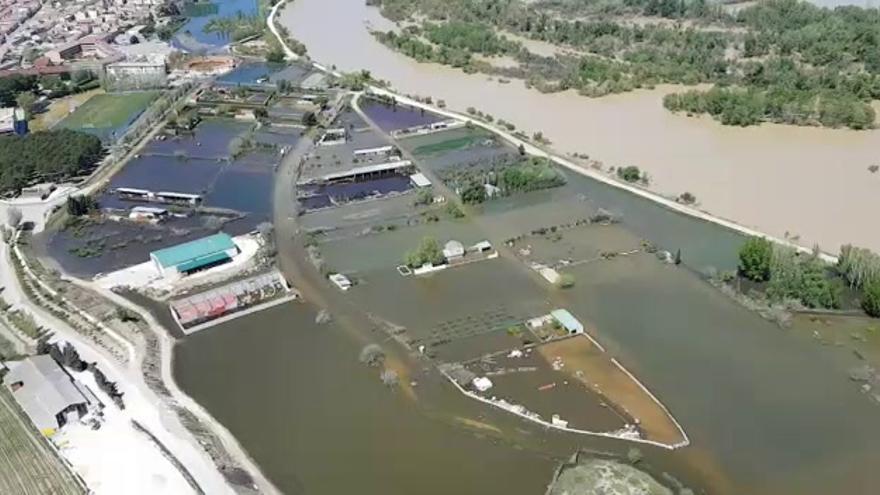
<point>782,61</point>
<point>49,155</point>
<point>790,275</point>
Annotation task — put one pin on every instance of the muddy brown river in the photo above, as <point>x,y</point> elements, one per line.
<point>810,183</point>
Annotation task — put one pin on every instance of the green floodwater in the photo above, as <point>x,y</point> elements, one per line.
<point>767,412</point>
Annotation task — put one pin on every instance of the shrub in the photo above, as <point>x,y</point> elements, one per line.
<point>754,259</point>
<point>871,298</point>
<point>630,173</point>
<point>566,281</point>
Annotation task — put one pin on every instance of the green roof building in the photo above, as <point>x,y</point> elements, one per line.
<point>194,256</point>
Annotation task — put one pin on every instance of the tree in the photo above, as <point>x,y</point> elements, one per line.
<point>46,154</point>
<point>754,259</point>
<point>81,205</point>
<point>309,119</point>
<point>871,298</point>
<point>13,217</point>
<point>275,56</point>
<point>473,193</point>
<point>429,251</point>
<point>25,100</point>
<point>70,358</point>
<point>630,173</point>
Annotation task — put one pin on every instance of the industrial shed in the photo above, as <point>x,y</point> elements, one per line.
<point>194,256</point>
<point>49,396</point>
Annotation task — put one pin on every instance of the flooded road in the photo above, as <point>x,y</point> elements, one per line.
<point>810,183</point>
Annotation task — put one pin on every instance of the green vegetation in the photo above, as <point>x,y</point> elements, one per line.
<point>429,251</point>
<point>448,145</point>
<point>454,210</point>
<point>108,111</point>
<point>861,269</point>
<point>530,175</point>
<point>871,298</point>
<point>275,56</point>
<point>630,174</point>
<point>754,259</point>
<point>12,86</point>
<point>81,205</point>
<point>424,197</point>
<point>790,275</point>
<point>49,155</point>
<point>355,81</point>
<point>503,178</point>
<point>775,61</point>
<point>237,27</point>
<point>295,45</point>
<point>806,279</point>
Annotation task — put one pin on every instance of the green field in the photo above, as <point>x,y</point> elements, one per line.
<point>448,145</point>
<point>27,464</point>
<point>104,114</point>
<point>443,142</point>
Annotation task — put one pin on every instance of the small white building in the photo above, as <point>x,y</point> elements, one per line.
<point>148,213</point>
<point>340,281</point>
<point>482,383</point>
<point>453,250</point>
<point>419,180</point>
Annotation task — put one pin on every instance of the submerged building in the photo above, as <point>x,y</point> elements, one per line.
<point>194,256</point>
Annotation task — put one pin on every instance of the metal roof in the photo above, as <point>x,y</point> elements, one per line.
<point>187,266</point>
<point>367,169</point>
<point>194,251</point>
<point>567,320</point>
<point>420,180</point>
<point>46,389</point>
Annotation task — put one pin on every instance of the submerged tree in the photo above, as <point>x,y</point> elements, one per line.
<point>871,298</point>
<point>754,259</point>
<point>372,355</point>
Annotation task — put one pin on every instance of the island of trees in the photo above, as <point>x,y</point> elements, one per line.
<point>41,156</point>
<point>783,61</point>
<point>787,276</point>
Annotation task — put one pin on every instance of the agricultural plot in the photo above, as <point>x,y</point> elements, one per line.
<point>28,465</point>
<point>108,115</point>
<point>446,141</point>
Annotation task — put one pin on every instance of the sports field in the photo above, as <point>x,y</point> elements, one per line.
<point>109,113</point>
<point>28,466</point>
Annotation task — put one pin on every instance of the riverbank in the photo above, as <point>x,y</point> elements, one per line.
<point>767,178</point>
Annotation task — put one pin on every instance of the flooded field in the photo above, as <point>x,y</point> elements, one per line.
<point>264,73</point>
<point>331,426</point>
<point>234,192</point>
<point>715,163</point>
<point>393,117</point>
<point>762,408</point>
